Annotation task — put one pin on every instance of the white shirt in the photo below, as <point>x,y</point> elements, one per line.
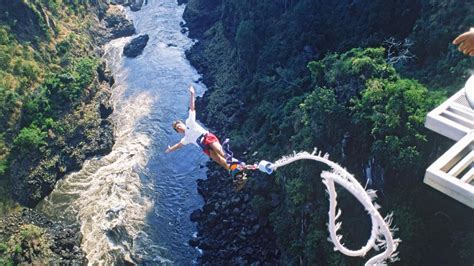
<point>193,130</point>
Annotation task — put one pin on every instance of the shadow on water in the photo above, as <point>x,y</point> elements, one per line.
<point>134,203</point>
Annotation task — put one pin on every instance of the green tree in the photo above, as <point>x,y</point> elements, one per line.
<point>246,40</point>
<point>30,138</point>
<point>3,155</point>
<point>394,112</point>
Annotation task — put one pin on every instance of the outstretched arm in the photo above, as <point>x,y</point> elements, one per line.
<point>174,147</point>
<point>466,42</point>
<point>192,106</point>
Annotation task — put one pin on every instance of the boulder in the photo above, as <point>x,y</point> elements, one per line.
<point>136,5</point>
<point>136,46</point>
<point>194,242</point>
<point>196,215</point>
<point>118,24</point>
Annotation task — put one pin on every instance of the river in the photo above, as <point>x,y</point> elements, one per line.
<point>134,203</point>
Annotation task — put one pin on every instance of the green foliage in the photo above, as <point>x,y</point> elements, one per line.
<point>31,232</point>
<point>67,87</point>
<point>359,111</point>
<point>296,191</point>
<point>4,258</point>
<point>302,86</point>
<point>3,247</point>
<point>30,138</point>
<point>37,108</point>
<point>318,109</point>
<point>246,39</point>
<point>395,112</point>
<point>3,155</point>
<point>3,165</point>
<point>46,70</point>
<point>439,64</point>
<point>17,249</point>
<point>8,104</point>
<point>27,69</point>
<point>65,45</point>
<point>85,71</point>
<point>31,243</point>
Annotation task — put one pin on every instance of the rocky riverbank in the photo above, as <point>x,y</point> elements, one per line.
<point>229,230</point>
<point>33,238</point>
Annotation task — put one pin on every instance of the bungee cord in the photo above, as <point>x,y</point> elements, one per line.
<point>381,236</point>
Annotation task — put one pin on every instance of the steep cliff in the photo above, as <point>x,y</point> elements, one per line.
<point>282,76</point>
<point>54,97</point>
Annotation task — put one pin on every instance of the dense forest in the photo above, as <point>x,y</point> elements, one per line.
<point>354,79</point>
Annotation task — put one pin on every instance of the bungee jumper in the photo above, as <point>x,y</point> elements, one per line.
<point>209,143</point>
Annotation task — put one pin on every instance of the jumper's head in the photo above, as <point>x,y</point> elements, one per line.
<point>179,126</point>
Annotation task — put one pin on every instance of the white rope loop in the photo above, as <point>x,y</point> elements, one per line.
<point>380,226</point>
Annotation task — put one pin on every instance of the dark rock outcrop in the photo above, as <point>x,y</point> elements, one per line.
<point>42,241</point>
<point>136,5</point>
<point>92,135</point>
<point>229,231</point>
<point>136,46</point>
<point>118,24</point>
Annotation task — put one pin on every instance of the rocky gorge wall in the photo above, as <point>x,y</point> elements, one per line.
<point>27,236</point>
<point>263,65</point>
<point>92,132</point>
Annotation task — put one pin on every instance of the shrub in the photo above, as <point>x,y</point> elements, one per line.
<point>30,138</point>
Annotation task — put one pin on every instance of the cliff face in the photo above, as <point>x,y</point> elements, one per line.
<point>28,20</point>
<point>262,94</point>
<point>82,128</point>
<point>54,97</point>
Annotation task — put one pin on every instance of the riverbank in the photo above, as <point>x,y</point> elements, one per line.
<point>85,131</point>
<point>30,237</point>
<point>230,231</point>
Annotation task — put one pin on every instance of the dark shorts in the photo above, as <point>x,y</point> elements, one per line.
<point>206,139</point>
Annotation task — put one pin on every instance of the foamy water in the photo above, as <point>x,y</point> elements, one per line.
<point>134,203</point>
